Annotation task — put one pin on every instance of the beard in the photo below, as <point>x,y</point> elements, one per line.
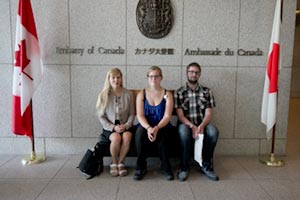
<point>193,82</point>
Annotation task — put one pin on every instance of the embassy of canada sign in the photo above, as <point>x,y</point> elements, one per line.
<point>154,18</point>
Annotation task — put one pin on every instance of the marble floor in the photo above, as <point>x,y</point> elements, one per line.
<point>241,178</point>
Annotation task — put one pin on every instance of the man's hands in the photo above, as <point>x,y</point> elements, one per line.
<point>197,130</point>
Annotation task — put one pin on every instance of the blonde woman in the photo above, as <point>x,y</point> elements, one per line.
<point>116,114</point>
<point>154,107</point>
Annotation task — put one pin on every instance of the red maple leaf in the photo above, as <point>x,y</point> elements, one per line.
<point>21,58</point>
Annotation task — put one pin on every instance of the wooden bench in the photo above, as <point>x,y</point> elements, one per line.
<point>172,140</point>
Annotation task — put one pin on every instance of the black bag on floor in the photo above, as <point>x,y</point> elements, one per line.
<point>91,164</point>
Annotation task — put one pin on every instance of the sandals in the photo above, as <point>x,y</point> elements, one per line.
<point>114,170</point>
<point>118,169</point>
<point>122,170</point>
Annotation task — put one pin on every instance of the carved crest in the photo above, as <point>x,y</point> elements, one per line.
<point>154,17</point>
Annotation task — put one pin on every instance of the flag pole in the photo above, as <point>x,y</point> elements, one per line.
<point>272,161</point>
<point>33,158</point>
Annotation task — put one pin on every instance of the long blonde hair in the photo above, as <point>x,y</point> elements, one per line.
<point>106,91</point>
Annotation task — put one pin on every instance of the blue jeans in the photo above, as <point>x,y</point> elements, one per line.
<point>211,134</point>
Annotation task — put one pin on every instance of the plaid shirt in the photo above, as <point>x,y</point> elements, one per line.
<point>194,102</point>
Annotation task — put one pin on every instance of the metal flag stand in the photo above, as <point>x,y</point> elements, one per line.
<point>272,161</point>
<point>33,158</point>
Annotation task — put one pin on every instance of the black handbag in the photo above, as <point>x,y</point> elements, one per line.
<point>91,164</point>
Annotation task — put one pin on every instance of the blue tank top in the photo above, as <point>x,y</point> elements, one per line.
<point>154,114</point>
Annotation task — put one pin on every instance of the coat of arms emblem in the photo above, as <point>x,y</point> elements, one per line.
<point>154,18</point>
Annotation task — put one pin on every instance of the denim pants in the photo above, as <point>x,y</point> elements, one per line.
<point>143,145</point>
<point>211,134</point>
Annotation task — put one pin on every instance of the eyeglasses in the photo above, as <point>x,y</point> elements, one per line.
<point>153,76</point>
<point>194,72</point>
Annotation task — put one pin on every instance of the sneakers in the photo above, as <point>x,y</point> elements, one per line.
<point>209,173</point>
<point>139,174</point>
<point>182,175</point>
<point>168,175</point>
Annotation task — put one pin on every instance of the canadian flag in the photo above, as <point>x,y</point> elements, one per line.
<point>27,70</point>
<point>269,102</point>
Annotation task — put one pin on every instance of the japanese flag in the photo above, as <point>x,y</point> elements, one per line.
<point>269,102</point>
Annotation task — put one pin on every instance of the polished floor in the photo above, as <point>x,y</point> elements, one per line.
<point>241,178</point>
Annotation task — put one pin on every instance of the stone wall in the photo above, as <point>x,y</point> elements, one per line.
<point>81,40</point>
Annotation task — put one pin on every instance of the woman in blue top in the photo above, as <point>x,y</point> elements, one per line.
<point>154,106</point>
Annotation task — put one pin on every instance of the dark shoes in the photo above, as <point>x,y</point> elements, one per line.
<point>139,174</point>
<point>168,175</point>
<point>182,175</point>
<point>209,173</point>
